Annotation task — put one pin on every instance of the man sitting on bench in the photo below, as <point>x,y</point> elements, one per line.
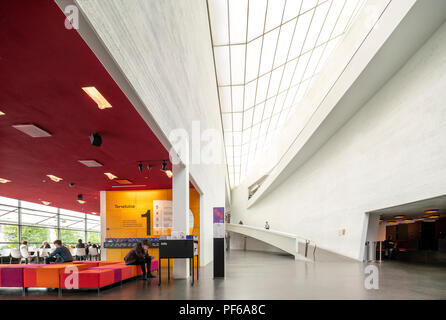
<point>60,254</point>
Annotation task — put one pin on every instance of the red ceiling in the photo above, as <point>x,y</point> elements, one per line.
<point>43,67</point>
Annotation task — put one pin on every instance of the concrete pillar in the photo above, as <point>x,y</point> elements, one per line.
<point>180,213</point>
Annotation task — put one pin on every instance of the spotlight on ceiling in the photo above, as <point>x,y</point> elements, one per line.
<point>71,184</point>
<point>47,203</point>
<point>398,217</point>
<point>164,165</point>
<point>4,180</point>
<point>80,199</point>
<point>54,178</point>
<point>96,139</point>
<point>430,211</point>
<point>2,113</point>
<point>140,167</point>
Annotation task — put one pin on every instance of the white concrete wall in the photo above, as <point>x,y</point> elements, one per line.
<point>163,49</point>
<point>393,151</point>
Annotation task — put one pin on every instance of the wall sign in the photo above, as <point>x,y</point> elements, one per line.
<point>147,216</point>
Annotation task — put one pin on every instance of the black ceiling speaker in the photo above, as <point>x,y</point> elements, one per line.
<point>164,166</point>
<point>140,167</point>
<point>80,197</point>
<point>96,139</point>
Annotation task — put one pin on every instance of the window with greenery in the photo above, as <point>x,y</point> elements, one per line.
<point>94,237</point>
<point>36,223</point>
<point>71,236</point>
<point>9,236</point>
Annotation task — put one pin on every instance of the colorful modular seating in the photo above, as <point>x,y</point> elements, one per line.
<point>90,279</point>
<point>91,274</point>
<point>11,275</point>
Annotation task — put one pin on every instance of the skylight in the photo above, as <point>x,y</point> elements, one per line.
<point>267,54</point>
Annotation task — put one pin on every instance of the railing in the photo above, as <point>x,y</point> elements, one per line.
<point>285,241</point>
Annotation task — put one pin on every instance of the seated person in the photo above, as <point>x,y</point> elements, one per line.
<point>45,245</point>
<point>138,256</point>
<point>60,254</point>
<point>80,244</point>
<point>24,247</point>
<point>389,245</point>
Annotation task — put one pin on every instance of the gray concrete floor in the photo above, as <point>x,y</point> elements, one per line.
<point>256,275</point>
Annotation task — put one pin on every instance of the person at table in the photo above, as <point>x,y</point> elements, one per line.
<point>24,251</point>
<point>138,256</point>
<point>60,254</point>
<point>24,246</point>
<point>45,245</point>
<point>80,244</point>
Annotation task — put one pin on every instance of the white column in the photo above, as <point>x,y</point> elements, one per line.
<point>103,212</point>
<point>180,213</point>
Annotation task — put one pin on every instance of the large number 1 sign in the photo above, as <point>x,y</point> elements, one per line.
<point>147,215</point>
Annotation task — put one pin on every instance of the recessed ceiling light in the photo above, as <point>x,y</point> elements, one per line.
<point>54,178</point>
<point>2,113</point>
<point>94,213</point>
<point>434,216</point>
<point>4,180</point>
<point>47,203</point>
<point>81,201</point>
<point>398,217</point>
<point>111,176</point>
<point>91,163</point>
<point>97,97</point>
<point>32,130</point>
<point>431,211</point>
<point>123,181</point>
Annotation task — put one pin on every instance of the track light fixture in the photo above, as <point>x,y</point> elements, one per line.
<point>149,165</point>
<point>80,199</point>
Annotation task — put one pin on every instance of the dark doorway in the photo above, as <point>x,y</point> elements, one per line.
<point>428,241</point>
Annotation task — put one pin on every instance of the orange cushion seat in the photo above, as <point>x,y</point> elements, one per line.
<point>47,276</point>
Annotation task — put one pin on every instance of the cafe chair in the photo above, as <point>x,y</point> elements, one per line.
<point>80,252</point>
<point>15,254</point>
<point>5,253</point>
<point>93,253</point>
<point>44,253</point>
<point>34,255</point>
